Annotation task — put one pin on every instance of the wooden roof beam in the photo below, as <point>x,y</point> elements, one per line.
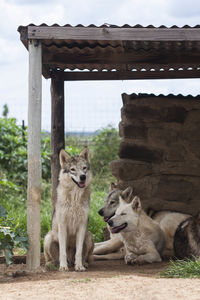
<point>128,75</point>
<point>123,34</point>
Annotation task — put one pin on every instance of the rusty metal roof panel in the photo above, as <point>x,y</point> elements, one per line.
<point>121,55</point>
<point>145,95</point>
<point>135,45</point>
<point>110,26</point>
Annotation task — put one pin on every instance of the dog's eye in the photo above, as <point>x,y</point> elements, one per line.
<point>84,168</point>
<point>123,214</point>
<point>72,169</point>
<point>112,202</point>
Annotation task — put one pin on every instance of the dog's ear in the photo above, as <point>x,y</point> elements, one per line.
<point>64,157</point>
<point>85,153</point>
<point>121,200</point>
<point>127,194</point>
<point>112,186</point>
<point>136,204</point>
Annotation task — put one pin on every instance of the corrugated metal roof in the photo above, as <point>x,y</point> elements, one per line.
<point>118,55</point>
<point>109,26</point>
<point>145,95</point>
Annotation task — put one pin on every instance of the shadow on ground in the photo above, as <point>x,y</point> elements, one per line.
<point>98,269</point>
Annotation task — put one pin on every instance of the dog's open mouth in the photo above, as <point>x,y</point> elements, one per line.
<point>108,218</point>
<point>80,184</point>
<point>118,228</point>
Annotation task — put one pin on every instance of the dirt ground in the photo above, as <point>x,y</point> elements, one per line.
<point>103,280</point>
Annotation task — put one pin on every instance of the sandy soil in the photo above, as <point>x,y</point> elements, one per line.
<point>103,280</point>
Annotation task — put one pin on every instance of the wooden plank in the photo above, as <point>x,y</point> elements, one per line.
<point>34,154</point>
<point>129,75</point>
<point>46,71</point>
<point>57,131</point>
<point>94,57</point>
<point>109,34</point>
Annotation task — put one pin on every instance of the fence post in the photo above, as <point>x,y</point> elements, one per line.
<point>57,131</point>
<point>34,154</point>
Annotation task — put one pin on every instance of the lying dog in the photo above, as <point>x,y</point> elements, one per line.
<point>142,237</point>
<point>169,221</point>
<point>112,248</point>
<point>69,241</point>
<point>187,238</point>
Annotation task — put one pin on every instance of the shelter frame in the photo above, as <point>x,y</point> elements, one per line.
<point>108,53</point>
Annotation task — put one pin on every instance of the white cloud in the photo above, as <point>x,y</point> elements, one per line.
<point>185,9</point>
<point>30,2</point>
<point>142,12</point>
<point>13,15</point>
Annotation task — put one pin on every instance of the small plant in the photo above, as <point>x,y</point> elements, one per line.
<point>188,268</point>
<point>10,236</point>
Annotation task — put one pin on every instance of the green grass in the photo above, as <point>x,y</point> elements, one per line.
<point>187,268</point>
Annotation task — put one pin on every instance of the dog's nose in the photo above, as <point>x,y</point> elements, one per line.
<point>100,212</point>
<point>110,223</point>
<point>82,177</point>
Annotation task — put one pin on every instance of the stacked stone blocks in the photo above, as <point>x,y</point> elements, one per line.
<point>159,154</point>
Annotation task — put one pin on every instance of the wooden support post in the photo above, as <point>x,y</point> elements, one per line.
<point>57,131</point>
<point>34,154</point>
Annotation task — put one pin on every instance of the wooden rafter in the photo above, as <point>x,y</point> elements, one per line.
<point>129,75</point>
<point>123,34</point>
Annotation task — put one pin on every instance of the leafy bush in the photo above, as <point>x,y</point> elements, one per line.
<point>11,236</point>
<point>105,149</point>
<point>73,150</point>
<point>96,223</point>
<point>13,152</point>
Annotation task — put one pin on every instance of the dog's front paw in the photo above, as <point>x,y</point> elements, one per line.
<point>80,268</point>
<point>130,259</point>
<point>64,268</point>
<point>148,258</point>
<point>139,261</point>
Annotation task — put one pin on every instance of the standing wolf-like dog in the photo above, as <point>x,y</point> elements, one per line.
<point>69,242</point>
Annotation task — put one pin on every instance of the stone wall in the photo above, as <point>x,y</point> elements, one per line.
<point>159,155</point>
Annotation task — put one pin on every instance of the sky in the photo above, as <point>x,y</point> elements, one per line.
<point>88,105</point>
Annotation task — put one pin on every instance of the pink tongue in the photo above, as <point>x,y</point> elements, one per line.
<point>113,230</point>
<point>117,229</point>
<point>81,184</point>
